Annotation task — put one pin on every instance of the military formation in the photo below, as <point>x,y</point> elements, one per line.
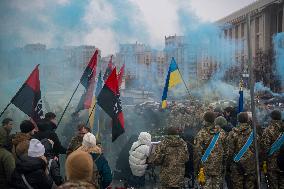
<point>215,148</point>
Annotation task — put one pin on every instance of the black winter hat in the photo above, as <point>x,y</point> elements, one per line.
<point>209,117</point>
<point>26,126</point>
<point>275,115</point>
<point>243,117</point>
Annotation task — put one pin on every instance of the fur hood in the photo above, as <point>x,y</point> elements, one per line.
<point>144,138</point>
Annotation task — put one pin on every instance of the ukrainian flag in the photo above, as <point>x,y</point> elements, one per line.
<point>173,78</point>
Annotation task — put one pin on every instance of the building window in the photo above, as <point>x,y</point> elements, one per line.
<point>237,32</point>
<point>257,25</point>
<point>242,30</point>
<point>257,42</point>
<point>280,21</point>
<point>226,33</point>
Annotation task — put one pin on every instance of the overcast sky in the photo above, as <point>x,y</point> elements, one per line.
<point>104,23</point>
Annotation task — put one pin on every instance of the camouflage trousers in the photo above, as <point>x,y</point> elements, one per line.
<point>276,179</point>
<point>213,182</point>
<point>243,181</point>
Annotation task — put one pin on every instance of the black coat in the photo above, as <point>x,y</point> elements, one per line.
<point>34,172</point>
<point>46,131</point>
<point>53,165</point>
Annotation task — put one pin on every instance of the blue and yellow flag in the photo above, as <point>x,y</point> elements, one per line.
<point>95,128</point>
<point>173,78</point>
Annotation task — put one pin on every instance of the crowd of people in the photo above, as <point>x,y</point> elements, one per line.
<point>210,146</point>
<point>30,159</point>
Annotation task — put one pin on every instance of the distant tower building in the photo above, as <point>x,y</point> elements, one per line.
<point>181,49</point>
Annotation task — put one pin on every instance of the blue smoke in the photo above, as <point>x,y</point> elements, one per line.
<point>278,42</point>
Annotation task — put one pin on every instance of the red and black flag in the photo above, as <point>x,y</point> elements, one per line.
<point>28,98</point>
<point>90,70</point>
<point>88,81</point>
<point>120,75</point>
<point>109,101</point>
<point>109,69</point>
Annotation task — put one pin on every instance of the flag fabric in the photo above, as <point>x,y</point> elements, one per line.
<point>28,98</point>
<point>91,113</point>
<point>96,114</point>
<point>90,70</point>
<point>88,81</point>
<point>241,98</point>
<point>109,69</point>
<point>241,102</point>
<point>173,78</point>
<point>109,101</point>
<point>120,75</point>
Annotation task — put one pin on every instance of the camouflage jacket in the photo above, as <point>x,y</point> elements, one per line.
<point>77,185</point>
<point>171,154</point>
<point>235,141</point>
<point>75,143</point>
<point>216,160</point>
<point>269,136</point>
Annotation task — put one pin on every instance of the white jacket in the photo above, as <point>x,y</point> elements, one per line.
<point>138,154</point>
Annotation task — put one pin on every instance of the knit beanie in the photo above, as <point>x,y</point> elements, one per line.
<point>89,140</point>
<point>221,121</point>
<point>36,149</point>
<point>26,126</point>
<point>79,166</point>
<point>209,117</point>
<point>243,117</point>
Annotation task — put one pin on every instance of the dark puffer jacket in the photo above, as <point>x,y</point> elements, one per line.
<point>46,131</point>
<point>34,171</point>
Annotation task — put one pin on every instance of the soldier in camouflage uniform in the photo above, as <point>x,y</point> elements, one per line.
<point>269,136</point>
<point>76,141</point>
<point>243,173</point>
<point>214,166</point>
<point>171,154</point>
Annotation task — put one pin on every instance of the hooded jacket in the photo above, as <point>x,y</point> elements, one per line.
<point>138,154</point>
<point>46,131</point>
<point>33,169</point>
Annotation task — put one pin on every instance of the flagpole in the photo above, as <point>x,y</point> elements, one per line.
<point>5,109</point>
<point>183,80</point>
<point>250,64</point>
<point>68,103</point>
<point>91,112</point>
